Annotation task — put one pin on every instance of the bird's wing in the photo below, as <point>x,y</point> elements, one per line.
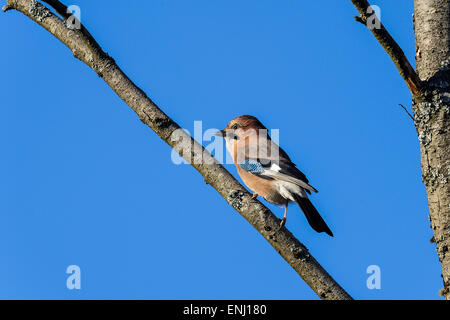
<point>279,170</point>
<point>262,146</point>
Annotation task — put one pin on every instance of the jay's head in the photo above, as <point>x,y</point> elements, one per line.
<point>245,136</point>
<point>241,127</point>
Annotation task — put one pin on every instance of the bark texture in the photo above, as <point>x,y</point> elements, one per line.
<point>430,88</point>
<point>85,48</point>
<point>432,119</point>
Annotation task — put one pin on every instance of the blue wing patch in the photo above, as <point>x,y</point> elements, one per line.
<point>252,165</point>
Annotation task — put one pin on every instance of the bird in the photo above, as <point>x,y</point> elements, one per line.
<point>267,170</point>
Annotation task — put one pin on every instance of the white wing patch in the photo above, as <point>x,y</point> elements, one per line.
<point>275,167</point>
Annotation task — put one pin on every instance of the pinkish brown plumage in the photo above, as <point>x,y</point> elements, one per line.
<point>267,170</point>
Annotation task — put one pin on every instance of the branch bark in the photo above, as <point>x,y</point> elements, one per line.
<point>259,216</point>
<point>430,87</point>
<point>390,46</point>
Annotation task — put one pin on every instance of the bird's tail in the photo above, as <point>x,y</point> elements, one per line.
<point>312,215</point>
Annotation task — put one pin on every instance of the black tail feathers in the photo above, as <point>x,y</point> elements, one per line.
<point>312,215</point>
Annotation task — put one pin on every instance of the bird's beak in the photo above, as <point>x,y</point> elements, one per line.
<point>220,133</point>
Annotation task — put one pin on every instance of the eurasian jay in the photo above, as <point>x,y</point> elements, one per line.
<point>267,170</point>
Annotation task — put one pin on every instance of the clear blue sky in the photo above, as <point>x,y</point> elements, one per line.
<point>84,182</point>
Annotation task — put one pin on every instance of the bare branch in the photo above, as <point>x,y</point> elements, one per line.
<point>59,7</point>
<point>407,112</point>
<point>259,216</point>
<point>360,20</point>
<point>390,46</point>
<point>62,10</point>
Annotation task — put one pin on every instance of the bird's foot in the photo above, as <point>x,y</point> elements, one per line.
<point>283,222</point>
<point>254,195</point>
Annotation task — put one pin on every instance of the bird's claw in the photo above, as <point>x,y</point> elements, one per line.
<point>254,195</point>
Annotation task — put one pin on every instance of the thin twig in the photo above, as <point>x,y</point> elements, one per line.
<point>406,110</point>
<point>259,216</point>
<point>360,20</point>
<point>391,47</point>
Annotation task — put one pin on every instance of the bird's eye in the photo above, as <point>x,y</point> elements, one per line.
<point>235,126</point>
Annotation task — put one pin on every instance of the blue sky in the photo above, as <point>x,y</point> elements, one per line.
<point>84,182</point>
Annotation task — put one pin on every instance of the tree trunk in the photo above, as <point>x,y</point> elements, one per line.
<point>431,111</point>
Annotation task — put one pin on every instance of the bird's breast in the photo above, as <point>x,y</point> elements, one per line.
<point>265,188</point>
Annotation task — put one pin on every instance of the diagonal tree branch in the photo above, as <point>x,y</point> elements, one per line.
<point>259,216</point>
<point>62,10</point>
<point>59,7</point>
<point>390,46</point>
